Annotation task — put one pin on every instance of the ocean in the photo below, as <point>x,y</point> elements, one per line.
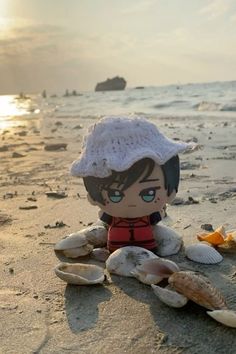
<point>215,99</point>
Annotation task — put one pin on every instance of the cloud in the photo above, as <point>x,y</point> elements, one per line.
<point>139,7</point>
<point>216,8</point>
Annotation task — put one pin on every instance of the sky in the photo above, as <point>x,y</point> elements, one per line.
<point>73,44</point>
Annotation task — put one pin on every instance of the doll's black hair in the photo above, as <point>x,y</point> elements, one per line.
<point>171,172</point>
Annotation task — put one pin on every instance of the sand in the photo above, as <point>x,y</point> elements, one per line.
<point>41,314</point>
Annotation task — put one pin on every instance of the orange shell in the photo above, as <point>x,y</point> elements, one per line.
<point>215,238</point>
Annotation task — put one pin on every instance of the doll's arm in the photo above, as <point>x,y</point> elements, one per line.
<point>106,218</point>
<point>155,218</point>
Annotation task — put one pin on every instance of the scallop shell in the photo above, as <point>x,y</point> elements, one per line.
<point>124,260</point>
<point>203,253</point>
<point>226,317</point>
<point>169,297</point>
<point>75,245</point>
<point>168,241</point>
<point>79,273</point>
<point>198,289</point>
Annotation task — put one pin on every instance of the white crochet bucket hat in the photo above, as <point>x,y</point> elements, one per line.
<point>116,143</point>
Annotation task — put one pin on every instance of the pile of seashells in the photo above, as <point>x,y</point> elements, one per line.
<point>148,268</point>
<point>212,243</point>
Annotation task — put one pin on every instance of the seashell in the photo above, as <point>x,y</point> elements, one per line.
<point>124,260</point>
<point>203,253</point>
<point>169,297</point>
<point>198,289</point>
<point>79,273</point>
<point>226,317</point>
<point>78,252</point>
<point>96,235</point>
<point>168,241</point>
<point>100,254</point>
<point>159,267</point>
<point>146,278</point>
<point>229,245</point>
<point>75,245</point>
<point>214,238</point>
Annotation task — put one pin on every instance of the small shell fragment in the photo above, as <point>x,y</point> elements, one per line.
<point>79,273</point>
<point>100,254</point>
<point>226,317</point>
<point>169,297</point>
<point>203,253</point>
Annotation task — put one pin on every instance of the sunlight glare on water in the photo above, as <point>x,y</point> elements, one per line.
<point>12,106</point>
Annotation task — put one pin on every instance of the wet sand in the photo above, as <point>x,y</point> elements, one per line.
<point>40,313</point>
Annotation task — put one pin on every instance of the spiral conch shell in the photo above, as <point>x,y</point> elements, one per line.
<point>79,273</point>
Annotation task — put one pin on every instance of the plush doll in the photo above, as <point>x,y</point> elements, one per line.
<point>131,171</point>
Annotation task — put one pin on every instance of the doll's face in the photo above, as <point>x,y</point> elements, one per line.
<point>144,197</point>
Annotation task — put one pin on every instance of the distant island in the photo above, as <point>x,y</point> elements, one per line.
<point>114,84</point>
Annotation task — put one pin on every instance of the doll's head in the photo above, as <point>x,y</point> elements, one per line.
<point>141,190</point>
<point>130,169</point>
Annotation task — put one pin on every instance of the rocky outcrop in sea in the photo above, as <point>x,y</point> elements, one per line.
<point>116,83</point>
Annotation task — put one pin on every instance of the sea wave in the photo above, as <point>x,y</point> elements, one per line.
<point>229,107</point>
<point>207,106</point>
<point>215,106</point>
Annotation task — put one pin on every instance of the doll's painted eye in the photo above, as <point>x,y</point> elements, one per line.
<point>115,195</point>
<point>148,195</point>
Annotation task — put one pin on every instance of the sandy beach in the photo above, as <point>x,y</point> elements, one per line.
<point>39,313</point>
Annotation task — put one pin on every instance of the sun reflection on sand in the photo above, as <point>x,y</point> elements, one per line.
<point>12,107</point>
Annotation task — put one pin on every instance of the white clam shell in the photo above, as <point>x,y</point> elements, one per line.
<point>78,252</point>
<point>226,317</point>
<point>96,235</point>
<point>75,245</point>
<point>124,260</point>
<point>169,297</point>
<point>168,241</point>
<point>74,240</point>
<point>79,273</point>
<point>203,253</point>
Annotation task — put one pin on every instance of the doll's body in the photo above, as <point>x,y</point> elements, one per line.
<point>131,231</point>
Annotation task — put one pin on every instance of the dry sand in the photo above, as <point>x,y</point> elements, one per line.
<point>41,314</point>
